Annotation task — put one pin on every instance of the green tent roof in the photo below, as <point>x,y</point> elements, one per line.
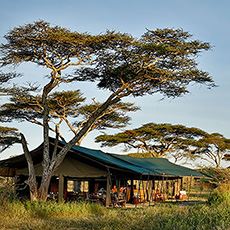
<point>140,166</point>
<point>161,166</point>
<point>145,166</point>
<point>110,160</point>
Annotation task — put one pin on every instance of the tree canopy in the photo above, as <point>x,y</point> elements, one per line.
<point>155,140</point>
<point>213,148</point>
<point>64,106</point>
<point>8,137</point>
<point>165,140</point>
<point>160,61</point>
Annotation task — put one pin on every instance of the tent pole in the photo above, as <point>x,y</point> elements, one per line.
<point>143,189</point>
<point>131,191</point>
<point>108,188</point>
<point>163,188</point>
<point>178,188</point>
<point>61,188</point>
<point>148,190</point>
<point>151,189</point>
<point>139,189</point>
<point>190,185</point>
<point>167,188</point>
<point>181,183</point>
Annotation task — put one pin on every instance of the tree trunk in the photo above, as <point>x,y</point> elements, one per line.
<point>41,193</point>
<point>33,196</point>
<point>47,173</point>
<point>49,165</point>
<point>44,187</point>
<point>31,181</point>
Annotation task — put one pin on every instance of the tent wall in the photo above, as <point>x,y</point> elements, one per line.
<point>69,167</point>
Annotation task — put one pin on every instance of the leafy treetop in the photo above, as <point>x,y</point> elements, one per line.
<point>160,61</point>
<point>213,148</point>
<point>178,141</point>
<point>64,106</point>
<point>156,140</point>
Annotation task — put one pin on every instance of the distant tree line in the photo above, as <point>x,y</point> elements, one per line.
<point>167,140</point>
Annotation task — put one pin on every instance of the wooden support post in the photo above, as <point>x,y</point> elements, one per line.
<point>108,188</point>
<point>178,187</point>
<point>181,183</point>
<point>153,190</point>
<point>190,185</point>
<point>61,188</point>
<point>131,191</point>
<point>174,188</point>
<point>150,191</point>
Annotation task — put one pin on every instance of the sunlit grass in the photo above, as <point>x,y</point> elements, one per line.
<point>17,215</point>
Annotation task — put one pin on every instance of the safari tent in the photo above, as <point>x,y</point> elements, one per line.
<point>92,174</point>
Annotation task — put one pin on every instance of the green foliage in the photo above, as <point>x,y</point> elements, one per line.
<point>7,192</point>
<point>217,176</point>
<point>155,140</point>
<point>47,209</point>
<point>212,148</point>
<point>28,106</point>
<point>220,178</point>
<point>6,77</point>
<point>8,137</point>
<point>221,195</point>
<point>160,61</point>
<point>64,106</point>
<point>114,117</point>
<point>29,42</point>
<point>215,198</point>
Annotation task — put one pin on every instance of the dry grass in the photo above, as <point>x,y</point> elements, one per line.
<point>16,215</point>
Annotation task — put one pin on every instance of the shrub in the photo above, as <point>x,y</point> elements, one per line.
<point>217,176</point>
<point>220,195</point>
<point>7,193</point>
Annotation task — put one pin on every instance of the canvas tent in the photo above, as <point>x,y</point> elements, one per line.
<point>84,163</point>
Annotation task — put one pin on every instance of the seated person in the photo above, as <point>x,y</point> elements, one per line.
<point>114,189</point>
<point>158,196</point>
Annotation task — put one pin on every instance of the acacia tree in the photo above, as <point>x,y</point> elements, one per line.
<point>64,106</point>
<point>167,140</point>
<point>156,140</point>
<point>8,135</point>
<point>212,148</point>
<point>161,61</point>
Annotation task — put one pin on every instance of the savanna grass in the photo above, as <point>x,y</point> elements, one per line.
<point>17,215</point>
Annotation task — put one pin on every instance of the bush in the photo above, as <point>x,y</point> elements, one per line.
<point>215,198</point>
<point>7,193</point>
<point>217,176</point>
<point>220,195</point>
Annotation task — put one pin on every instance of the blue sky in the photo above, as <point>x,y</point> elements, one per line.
<point>207,20</point>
